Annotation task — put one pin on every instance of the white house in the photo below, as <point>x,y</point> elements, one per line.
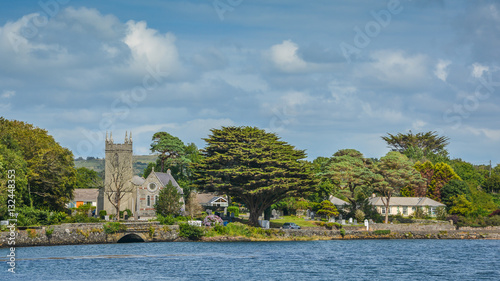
<point>405,206</point>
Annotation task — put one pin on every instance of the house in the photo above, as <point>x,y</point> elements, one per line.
<point>211,200</point>
<point>83,196</point>
<point>339,203</point>
<point>405,206</point>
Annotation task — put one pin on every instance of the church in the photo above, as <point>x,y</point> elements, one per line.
<point>134,192</point>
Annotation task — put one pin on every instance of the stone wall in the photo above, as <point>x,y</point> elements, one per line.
<point>88,233</point>
<point>410,227</point>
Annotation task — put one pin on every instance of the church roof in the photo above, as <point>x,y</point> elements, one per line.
<point>136,180</point>
<point>164,178</point>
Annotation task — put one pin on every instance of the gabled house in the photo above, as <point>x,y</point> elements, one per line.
<point>339,203</point>
<point>211,200</point>
<point>405,206</point>
<point>82,196</point>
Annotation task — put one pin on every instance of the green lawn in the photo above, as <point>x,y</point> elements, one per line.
<point>299,221</point>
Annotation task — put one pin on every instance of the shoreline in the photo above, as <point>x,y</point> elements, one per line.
<point>144,232</point>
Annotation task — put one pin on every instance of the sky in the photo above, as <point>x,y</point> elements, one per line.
<point>323,75</point>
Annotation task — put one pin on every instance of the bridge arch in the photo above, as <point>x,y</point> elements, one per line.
<point>132,238</point>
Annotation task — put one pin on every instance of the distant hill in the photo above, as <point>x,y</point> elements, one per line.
<point>140,162</point>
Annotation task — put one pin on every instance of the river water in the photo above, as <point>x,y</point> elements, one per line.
<point>304,260</point>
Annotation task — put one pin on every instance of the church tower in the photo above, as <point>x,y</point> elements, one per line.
<point>118,171</point>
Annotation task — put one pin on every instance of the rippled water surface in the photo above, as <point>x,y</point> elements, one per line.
<point>314,260</point>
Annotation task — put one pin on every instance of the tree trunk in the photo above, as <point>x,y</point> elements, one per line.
<point>254,217</point>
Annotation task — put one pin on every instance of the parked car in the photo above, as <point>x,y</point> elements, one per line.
<point>290,225</point>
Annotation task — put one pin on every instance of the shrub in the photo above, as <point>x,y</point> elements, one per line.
<point>342,232</point>
<point>453,218</point>
<point>329,225</point>
<point>113,227</point>
<point>81,218</point>
<point>49,231</point>
<point>359,215</point>
<point>234,209</point>
<point>129,213</point>
<point>495,213</point>
<point>212,220</point>
<point>219,229</point>
<point>337,225</point>
<point>31,233</point>
<point>190,231</point>
<point>102,214</point>
<point>238,229</point>
<point>441,213</point>
<point>382,232</point>
<point>166,220</point>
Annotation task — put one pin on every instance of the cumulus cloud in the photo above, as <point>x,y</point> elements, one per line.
<point>286,57</point>
<point>441,70</point>
<point>8,94</point>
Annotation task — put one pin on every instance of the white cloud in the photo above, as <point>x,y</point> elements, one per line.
<point>8,94</point>
<point>491,134</point>
<point>441,70</point>
<point>418,125</point>
<point>285,57</point>
<point>396,68</point>
<point>478,70</point>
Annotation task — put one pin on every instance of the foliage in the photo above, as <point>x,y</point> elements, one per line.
<point>254,167</point>
<point>436,177</point>
<point>492,184</point>
<point>167,146</point>
<point>81,218</point>
<point>49,231</point>
<point>428,142</point>
<point>359,215</point>
<point>190,231</point>
<point>234,209</point>
<point>480,221</point>
<point>382,232</point>
<point>297,220</point>
<point>168,201</point>
<point>453,188</point>
<point>31,233</point>
<point>193,207</point>
<point>460,205</point>
<point>212,220</point>
<point>166,220</point>
<point>352,174</point>
<point>467,172</point>
<point>28,216</point>
<point>342,232</point>
<point>327,209</point>
<point>495,213</point>
<point>87,178</point>
<point>396,172</point>
<point>102,214</point>
<point>113,227</point>
<point>441,213</point>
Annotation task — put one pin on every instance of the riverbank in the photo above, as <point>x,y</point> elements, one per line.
<point>96,233</point>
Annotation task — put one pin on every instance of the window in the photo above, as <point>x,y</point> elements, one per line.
<point>383,210</point>
<point>432,211</point>
<point>148,200</point>
<point>152,187</point>
<point>405,210</point>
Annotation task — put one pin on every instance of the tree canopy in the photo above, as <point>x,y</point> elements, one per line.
<point>46,170</point>
<point>168,201</point>
<point>254,166</point>
<point>428,142</point>
<point>167,146</point>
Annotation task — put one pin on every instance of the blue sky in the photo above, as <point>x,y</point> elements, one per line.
<point>323,75</point>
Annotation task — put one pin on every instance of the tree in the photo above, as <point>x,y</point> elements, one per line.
<point>87,178</point>
<point>193,207</point>
<point>429,142</point>
<point>436,177</point>
<point>467,172</point>
<point>352,174</point>
<point>50,171</point>
<point>169,201</point>
<point>254,167</point>
<point>327,208</point>
<point>396,172</point>
<point>460,205</point>
<point>452,189</point>
<point>167,146</point>
<point>492,184</point>
<point>118,186</point>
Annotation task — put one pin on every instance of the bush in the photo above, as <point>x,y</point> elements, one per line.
<point>49,231</point>
<point>102,214</point>
<point>167,220</point>
<point>113,227</point>
<point>329,225</point>
<point>212,220</point>
<point>453,218</point>
<point>190,231</point>
<point>234,209</point>
<point>219,229</point>
<point>495,213</point>
<point>381,232</point>
<point>359,215</point>
<point>79,218</point>
<point>342,232</point>
<point>337,225</point>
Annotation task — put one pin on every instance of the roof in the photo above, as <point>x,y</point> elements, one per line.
<point>164,178</point>
<point>136,180</point>
<point>406,201</point>
<point>85,194</point>
<point>337,201</point>
<point>208,198</point>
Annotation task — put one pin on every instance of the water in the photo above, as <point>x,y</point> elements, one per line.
<point>310,260</point>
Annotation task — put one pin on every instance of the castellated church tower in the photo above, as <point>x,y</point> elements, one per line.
<point>118,173</point>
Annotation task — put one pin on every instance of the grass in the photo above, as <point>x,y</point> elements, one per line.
<point>298,221</point>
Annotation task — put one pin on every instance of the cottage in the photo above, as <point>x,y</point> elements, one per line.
<point>211,200</point>
<point>82,196</point>
<point>406,206</point>
<point>339,203</point>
